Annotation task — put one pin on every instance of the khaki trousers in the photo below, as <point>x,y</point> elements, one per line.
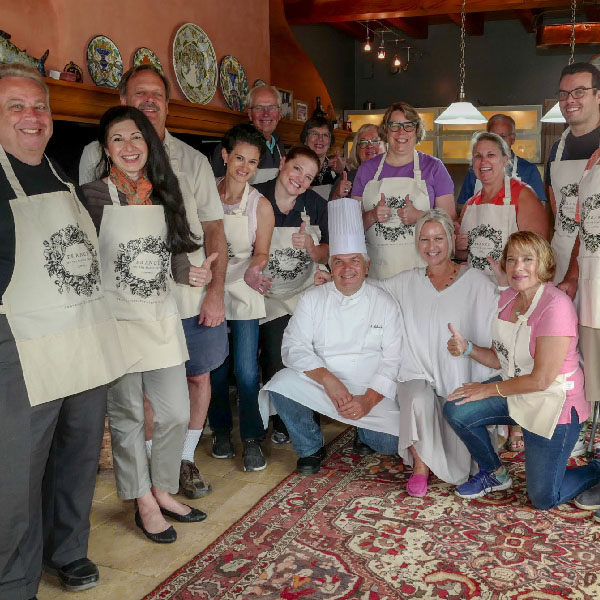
<point>589,345</point>
<point>167,392</point>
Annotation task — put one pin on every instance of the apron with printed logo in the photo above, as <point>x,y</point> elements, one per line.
<point>537,412</point>
<point>241,301</point>
<point>292,270</point>
<point>55,304</point>
<point>565,175</point>
<point>391,245</point>
<point>136,270</point>
<point>488,226</point>
<point>589,248</point>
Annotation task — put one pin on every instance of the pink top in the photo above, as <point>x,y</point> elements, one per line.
<point>250,212</point>
<point>555,315</point>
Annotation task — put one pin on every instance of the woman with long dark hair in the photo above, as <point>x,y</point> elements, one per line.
<point>137,206</point>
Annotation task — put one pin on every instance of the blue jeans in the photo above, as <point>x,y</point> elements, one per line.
<point>306,435</point>
<point>244,343</point>
<point>549,482</point>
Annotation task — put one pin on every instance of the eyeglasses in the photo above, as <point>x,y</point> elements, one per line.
<point>408,126</point>
<point>578,92</point>
<point>318,134</point>
<point>265,109</point>
<point>365,143</point>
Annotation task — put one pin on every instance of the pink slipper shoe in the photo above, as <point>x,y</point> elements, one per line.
<point>417,485</point>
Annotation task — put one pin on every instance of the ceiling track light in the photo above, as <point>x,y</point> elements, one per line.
<point>367,44</point>
<point>381,51</point>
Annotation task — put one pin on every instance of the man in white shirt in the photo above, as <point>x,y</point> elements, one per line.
<point>202,309</point>
<point>341,350</point>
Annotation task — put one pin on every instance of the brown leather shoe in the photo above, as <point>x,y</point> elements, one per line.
<point>191,483</point>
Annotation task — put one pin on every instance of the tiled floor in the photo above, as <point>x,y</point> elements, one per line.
<point>130,565</point>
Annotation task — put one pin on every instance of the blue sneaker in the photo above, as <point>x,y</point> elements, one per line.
<point>482,484</point>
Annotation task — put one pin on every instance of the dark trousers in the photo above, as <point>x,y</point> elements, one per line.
<point>26,438</point>
<point>269,341</point>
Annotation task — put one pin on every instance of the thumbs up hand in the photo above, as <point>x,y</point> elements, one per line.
<point>321,276</point>
<point>457,344</point>
<point>343,187</point>
<point>337,162</point>
<point>408,213</point>
<point>256,280</point>
<point>381,212</point>
<point>200,276</point>
<point>303,240</point>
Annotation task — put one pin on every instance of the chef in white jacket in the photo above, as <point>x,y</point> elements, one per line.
<point>341,350</point>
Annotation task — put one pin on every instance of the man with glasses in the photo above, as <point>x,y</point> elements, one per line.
<point>518,168</point>
<point>579,100</point>
<point>264,111</point>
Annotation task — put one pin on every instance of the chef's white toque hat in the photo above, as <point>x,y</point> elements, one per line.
<point>346,230</point>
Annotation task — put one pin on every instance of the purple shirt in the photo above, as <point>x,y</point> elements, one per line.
<point>433,171</point>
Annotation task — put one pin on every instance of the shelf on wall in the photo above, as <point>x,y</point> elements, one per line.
<point>87,103</point>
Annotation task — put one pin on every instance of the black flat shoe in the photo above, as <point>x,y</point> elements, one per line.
<point>81,574</point>
<point>309,465</point>
<point>192,517</point>
<point>360,448</point>
<point>168,536</point>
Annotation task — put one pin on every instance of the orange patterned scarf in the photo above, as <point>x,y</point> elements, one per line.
<point>136,192</point>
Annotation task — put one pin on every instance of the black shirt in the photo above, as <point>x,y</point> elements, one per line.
<point>38,179</point>
<point>311,202</point>
<point>576,148</point>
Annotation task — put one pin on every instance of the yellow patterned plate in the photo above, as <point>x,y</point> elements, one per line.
<point>234,83</point>
<point>145,56</point>
<point>195,64</point>
<point>104,62</point>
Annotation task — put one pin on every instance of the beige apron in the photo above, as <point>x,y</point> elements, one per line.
<point>537,412</point>
<point>292,270</point>
<point>488,227</point>
<point>263,175</point>
<point>565,175</point>
<point>391,245</point>
<point>66,336</point>
<point>189,298</point>
<point>136,270</point>
<point>241,301</point>
<point>513,175</point>
<point>589,248</point>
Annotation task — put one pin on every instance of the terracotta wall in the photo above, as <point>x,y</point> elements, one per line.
<point>238,27</point>
<point>291,68</point>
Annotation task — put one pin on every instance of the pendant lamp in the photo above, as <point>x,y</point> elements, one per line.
<point>461,112</point>
<point>554,115</point>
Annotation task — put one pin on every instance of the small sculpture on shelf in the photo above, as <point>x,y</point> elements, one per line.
<point>10,53</point>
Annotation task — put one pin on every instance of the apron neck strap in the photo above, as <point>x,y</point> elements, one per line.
<point>244,201</point>
<point>114,194</point>
<point>506,200</point>
<point>534,302</point>
<point>561,144</point>
<point>380,167</point>
<point>513,171</point>
<point>416,166</point>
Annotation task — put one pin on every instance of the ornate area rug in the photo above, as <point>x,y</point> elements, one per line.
<point>351,532</point>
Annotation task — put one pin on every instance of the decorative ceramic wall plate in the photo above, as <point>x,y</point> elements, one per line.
<point>104,62</point>
<point>145,56</point>
<point>195,64</point>
<point>234,83</point>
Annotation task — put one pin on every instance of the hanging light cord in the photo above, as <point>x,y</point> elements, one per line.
<point>573,9</point>
<point>462,52</point>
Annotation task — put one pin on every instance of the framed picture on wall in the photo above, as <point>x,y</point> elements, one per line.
<point>287,103</point>
<point>300,110</point>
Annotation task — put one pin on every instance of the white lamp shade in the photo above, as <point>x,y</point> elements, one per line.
<point>553,115</point>
<point>461,113</point>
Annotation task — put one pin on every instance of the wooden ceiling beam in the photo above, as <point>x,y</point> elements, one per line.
<point>416,27</point>
<point>353,29</point>
<point>473,22</point>
<point>302,12</point>
<point>527,18</point>
<point>549,36</point>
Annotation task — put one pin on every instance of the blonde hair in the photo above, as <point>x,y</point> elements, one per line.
<point>528,241</point>
<point>436,215</point>
<point>353,159</point>
<point>17,69</point>
<point>409,112</point>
